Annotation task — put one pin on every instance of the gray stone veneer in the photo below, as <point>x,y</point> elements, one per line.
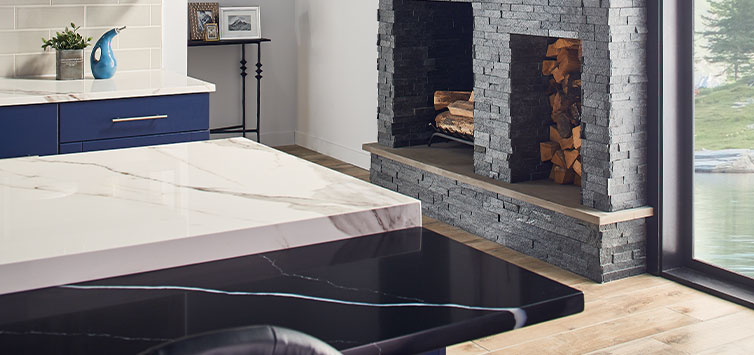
<point>601,253</point>
<point>613,35</point>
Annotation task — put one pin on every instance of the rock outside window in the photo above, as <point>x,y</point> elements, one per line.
<point>240,23</point>
<point>201,14</point>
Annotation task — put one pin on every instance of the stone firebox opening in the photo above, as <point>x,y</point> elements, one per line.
<point>529,107</point>
<point>432,48</point>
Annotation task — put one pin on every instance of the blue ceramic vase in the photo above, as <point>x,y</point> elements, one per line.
<point>105,67</point>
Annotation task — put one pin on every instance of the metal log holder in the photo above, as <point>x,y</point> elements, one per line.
<point>443,133</point>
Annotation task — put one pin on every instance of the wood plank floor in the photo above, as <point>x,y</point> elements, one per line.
<point>639,315</point>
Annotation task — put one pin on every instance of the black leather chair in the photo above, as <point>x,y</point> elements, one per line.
<point>260,339</point>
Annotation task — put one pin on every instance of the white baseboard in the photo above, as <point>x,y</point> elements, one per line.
<point>356,157</point>
<point>271,139</point>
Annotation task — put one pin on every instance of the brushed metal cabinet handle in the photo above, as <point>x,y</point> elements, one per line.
<point>142,118</point>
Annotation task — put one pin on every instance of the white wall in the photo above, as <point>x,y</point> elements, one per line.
<point>220,65</point>
<point>320,73</point>
<point>337,77</point>
<point>174,24</point>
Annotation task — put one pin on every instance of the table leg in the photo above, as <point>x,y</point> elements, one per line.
<point>259,87</point>
<point>243,89</point>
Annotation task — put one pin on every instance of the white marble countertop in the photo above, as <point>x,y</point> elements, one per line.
<point>122,85</point>
<point>77,217</point>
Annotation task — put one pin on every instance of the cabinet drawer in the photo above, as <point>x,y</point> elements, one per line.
<point>119,143</point>
<point>28,130</point>
<point>95,120</point>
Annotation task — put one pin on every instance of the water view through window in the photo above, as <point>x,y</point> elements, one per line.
<point>724,134</point>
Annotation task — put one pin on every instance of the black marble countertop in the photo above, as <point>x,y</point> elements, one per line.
<point>402,292</point>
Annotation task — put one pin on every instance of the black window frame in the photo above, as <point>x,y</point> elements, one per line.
<point>671,146</point>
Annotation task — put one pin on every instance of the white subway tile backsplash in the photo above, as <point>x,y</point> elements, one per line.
<point>35,64</point>
<point>29,41</point>
<point>24,22</point>
<point>83,2</point>
<point>140,1</point>
<point>133,59</point>
<point>118,15</point>
<point>7,18</point>
<point>53,17</point>
<point>6,65</point>
<point>156,62</point>
<point>156,15</point>
<point>141,37</point>
<point>24,2</point>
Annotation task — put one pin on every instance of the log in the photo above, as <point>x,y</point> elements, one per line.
<point>445,98</point>
<point>568,62</point>
<point>455,124</point>
<point>566,83</point>
<point>575,111</point>
<point>577,180</point>
<point>462,108</point>
<point>548,66</point>
<point>471,98</point>
<point>576,137</point>
<point>561,176</point>
<point>552,50</point>
<point>559,159</point>
<point>552,88</point>
<point>563,124</point>
<point>558,74</point>
<point>567,43</point>
<point>554,135</point>
<point>571,155</point>
<point>556,102</point>
<point>577,167</point>
<point>567,143</point>
<point>547,150</point>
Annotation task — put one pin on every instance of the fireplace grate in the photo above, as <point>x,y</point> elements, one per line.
<point>454,136</point>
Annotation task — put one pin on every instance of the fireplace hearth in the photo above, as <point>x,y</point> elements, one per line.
<point>494,48</point>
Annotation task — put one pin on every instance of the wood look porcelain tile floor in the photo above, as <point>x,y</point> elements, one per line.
<point>638,315</point>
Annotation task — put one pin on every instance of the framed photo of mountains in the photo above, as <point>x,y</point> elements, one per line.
<point>240,23</point>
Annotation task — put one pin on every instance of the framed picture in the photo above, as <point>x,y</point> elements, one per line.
<point>240,23</point>
<point>201,14</point>
<point>211,32</point>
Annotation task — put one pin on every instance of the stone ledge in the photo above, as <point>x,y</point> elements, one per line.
<point>600,252</point>
<point>458,165</point>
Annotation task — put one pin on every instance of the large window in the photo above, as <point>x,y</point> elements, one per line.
<point>723,233</point>
<point>704,144</point>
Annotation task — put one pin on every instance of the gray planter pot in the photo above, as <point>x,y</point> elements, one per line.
<point>69,64</point>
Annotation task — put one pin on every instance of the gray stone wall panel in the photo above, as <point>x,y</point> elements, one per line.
<point>601,253</point>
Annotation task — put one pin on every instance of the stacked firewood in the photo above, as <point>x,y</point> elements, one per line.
<point>459,117</point>
<point>564,148</point>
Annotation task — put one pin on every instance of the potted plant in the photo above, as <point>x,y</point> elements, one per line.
<point>69,53</point>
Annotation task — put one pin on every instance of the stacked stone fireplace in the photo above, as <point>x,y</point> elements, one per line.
<point>495,48</point>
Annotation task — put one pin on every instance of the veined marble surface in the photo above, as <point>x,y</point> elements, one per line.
<point>71,218</point>
<point>122,85</point>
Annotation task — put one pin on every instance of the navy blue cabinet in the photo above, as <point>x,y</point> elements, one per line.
<point>28,130</point>
<point>106,119</point>
<point>103,124</point>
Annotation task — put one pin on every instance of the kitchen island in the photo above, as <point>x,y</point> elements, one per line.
<point>119,251</point>
<point>141,209</point>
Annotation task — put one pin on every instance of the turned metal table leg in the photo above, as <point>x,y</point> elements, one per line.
<point>243,89</point>
<point>259,88</point>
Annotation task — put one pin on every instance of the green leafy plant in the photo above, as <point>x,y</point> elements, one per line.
<point>68,39</point>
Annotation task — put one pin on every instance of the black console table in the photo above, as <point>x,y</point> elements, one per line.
<point>389,293</point>
<point>242,42</point>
